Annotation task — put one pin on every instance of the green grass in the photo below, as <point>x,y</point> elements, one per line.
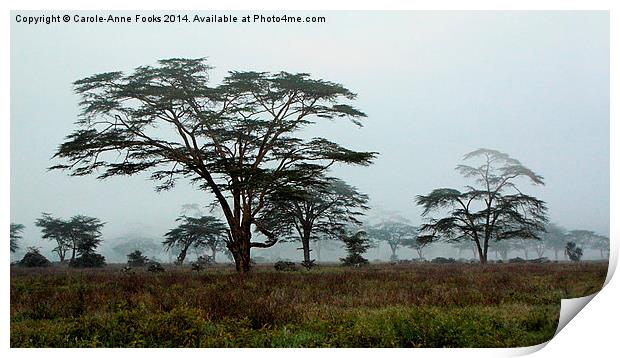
<point>420,305</point>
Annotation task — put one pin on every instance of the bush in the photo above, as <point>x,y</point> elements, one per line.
<point>156,267</point>
<point>137,259</point>
<point>204,260</point>
<point>443,260</point>
<point>33,258</point>
<point>573,252</point>
<point>308,264</point>
<point>89,259</point>
<point>285,266</point>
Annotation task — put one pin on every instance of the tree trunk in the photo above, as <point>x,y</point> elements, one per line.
<point>182,256</point>
<point>305,244</point>
<point>213,252</point>
<point>240,249</point>
<point>393,247</point>
<point>556,254</point>
<point>318,250</point>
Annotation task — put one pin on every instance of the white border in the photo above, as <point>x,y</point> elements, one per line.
<point>591,332</point>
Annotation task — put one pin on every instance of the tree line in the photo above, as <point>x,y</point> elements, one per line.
<point>240,141</point>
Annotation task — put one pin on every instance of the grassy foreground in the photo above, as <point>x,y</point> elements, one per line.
<point>418,305</point>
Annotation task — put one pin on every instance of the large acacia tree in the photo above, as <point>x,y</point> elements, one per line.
<point>492,210</point>
<point>317,212</point>
<point>237,139</point>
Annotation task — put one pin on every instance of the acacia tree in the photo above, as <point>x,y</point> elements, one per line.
<point>80,234</point>
<point>601,243</point>
<point>419,243</point>
<point>205,231</point>
<point>319,212</point>
<point>394,233</point>
<point>555,238</point>
<point>494,210</point>
<point>235,140</point>
<point>16,234</point>
<point>501,248</point>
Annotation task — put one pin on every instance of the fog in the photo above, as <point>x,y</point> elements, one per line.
<point>435,85</point>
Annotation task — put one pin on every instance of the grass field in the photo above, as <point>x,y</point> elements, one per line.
<point>417,305</point>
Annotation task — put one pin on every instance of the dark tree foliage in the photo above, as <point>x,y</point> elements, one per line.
<point>356,244</point>
<point>81,234</point>
<point>88,259</point>
<point>205,231</point>
<point>394,233</point>
<point>34,258</point>
<point>491,211</point>
<point>137,259</point>
<point>318,212</point>
<point>16,234</point>
<point>235,140</point>
<point>573,252</point>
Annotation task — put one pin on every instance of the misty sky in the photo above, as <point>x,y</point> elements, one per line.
<point>435,85</point>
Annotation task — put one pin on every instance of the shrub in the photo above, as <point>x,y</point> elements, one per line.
<point>285,266</point>
<point>573,252</point>
<point>137,259</point>
<point>204,260</point>
<point>308,264</point>
<point>443,260</point>
<point>156,267</point>
<point>197,267</point>
<point>33,258</point>
<point>89,259</point>
<point>356,244</point>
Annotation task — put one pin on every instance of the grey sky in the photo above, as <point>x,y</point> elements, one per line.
<point>435,85</point>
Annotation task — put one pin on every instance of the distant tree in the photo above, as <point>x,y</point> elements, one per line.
<point>130,243</point>
<point>419,243</point>
<point>394,233</point>
<point>16,234</point>
<point>57,230</point>
<point>137,259</point>
<point>34,258</point>
<point>80,234</point>
<point>502,249</point>
<point>465,245</point>
<point>206,231</point>
<point>601,243</point>
<point>237,140</point>
<point>555,238</point>
<point>583,238</point>
<point>316,212</point>
<point>573,252</point>
<point>523,246</point>
<point>488,213</point>
<point>320,245</point>
<point>356,243</point>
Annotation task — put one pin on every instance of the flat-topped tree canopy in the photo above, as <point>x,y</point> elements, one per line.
<point>237,139</point>
<point>318,210</point>
<point>492,210</point>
